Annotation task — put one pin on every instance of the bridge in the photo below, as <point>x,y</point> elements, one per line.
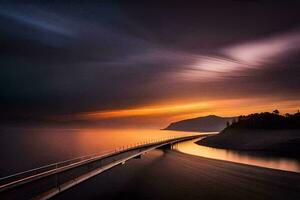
<point>47,181</point>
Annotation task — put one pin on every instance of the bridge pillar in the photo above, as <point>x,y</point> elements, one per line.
<point>166,147</point>
<point>138,157</point>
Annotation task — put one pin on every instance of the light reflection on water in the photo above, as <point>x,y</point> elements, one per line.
<point>26,148</point>
<point>280,163</point>
<point>22,149</point>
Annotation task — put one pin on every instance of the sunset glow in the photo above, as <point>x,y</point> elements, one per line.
<point>162,114</point>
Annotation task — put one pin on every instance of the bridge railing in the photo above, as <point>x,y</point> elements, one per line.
<point>42,169</point>
<point>58,165</point>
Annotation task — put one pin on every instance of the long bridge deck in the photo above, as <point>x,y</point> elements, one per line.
<point>47,181</point>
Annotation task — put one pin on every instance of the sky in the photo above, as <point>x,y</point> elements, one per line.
<point>147,63</point>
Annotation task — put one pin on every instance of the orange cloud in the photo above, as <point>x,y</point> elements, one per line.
<point>165,113</point>
<point>144,111</point>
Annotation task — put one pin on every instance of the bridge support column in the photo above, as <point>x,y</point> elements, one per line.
<point>138,157</point>
<point>166,147</point>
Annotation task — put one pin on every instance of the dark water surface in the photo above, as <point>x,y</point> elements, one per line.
<point>177,176</point>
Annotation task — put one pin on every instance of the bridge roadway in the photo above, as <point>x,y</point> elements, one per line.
<point>47,181</point>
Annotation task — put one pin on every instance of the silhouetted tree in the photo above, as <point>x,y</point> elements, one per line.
<point>240,118</point>
<point>267,120</point>
<point>233,121</point>
<point>227,124</point>
<point>276,112</point>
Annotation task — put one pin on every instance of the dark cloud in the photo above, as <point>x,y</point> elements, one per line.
<point>59,58</point>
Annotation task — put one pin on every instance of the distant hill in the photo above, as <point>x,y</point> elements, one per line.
<point>201,124</point>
